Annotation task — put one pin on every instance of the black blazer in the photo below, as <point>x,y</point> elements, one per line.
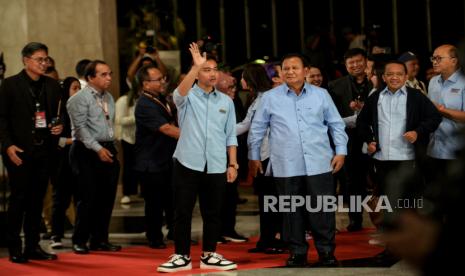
<point>422,116</point>
<point>17,111</point>
<point>343,91</point>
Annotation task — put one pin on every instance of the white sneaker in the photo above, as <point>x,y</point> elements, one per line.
<point>125,200</point>
<point>216,261</point>
<point>176,263</point>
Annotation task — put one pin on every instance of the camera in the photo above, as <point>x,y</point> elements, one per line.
<point>150,49</point>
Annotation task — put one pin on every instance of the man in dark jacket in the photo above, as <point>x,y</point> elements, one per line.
<point>396,123</point>
<point>348,94</point>
<point>28,136</point>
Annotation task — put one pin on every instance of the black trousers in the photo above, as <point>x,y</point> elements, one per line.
<point>158,196</point>
<point>229,208</point>
<point>322,224</point>
<point>64,188</point>
<point>355,172</point>
<point>28,184</point>
<point>270,222</point>
<point>398,180</point>
<point>130,176</point>
<point>210,188</point>
<point>96,193</point>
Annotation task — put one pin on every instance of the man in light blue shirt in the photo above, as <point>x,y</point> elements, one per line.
<point>447,92</point>
<point>208,139</point>
<point>302,161</point>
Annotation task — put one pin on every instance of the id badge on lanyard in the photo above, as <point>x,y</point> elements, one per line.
<point>40,117</point>
<point>104,105</point>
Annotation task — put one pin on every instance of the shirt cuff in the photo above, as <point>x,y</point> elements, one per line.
<point>231,141</point>
<point>341,150</point>
<point>254,154</point>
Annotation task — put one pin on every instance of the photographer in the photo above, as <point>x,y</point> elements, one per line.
<point>145,55</point>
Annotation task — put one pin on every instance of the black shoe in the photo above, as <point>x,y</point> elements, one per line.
<point>157,244</point>
<point>275,250</point>
<point>327,260</point>
<point>37,253</point>
<point>256,250</point>
<point>80,249</point>
<point>354,226</point>
<point>386,258</point>
<point>16,256</point>
<point>105,246</point>
<point>234,237</point>
<point>221,240</point>
<point>297,260</point>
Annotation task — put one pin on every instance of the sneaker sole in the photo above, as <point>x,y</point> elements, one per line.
<point>234,240</point>
<point>218,267</point>
<point>168,270</point>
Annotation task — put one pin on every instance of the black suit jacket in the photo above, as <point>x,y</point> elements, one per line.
<point>343,91</point>
<point>17,110</point>
<point>422,117</point>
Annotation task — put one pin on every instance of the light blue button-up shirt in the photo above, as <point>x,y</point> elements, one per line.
<point>392,122</point>
<point>208,126</point>
<point>299,142</point>
<point>444,142</point>
<point>89,123</point>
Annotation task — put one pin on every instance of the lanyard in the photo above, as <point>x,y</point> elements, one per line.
<point>154,99</point>
<point>104,105</point>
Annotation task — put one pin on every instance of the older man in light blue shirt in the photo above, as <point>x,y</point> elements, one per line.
<point>447,92</point>
<point>302,161</point>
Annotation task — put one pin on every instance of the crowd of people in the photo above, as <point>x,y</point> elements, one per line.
<point>301,134</point>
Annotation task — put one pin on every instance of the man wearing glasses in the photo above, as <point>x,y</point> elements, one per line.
<point>93,159</point>
<point>156,136</point>
<point>28,103</point>
<point>447,92</point>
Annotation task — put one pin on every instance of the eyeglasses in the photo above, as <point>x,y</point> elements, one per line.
<point>437,58</point>
<point>160,79</point>
<point>40,60</point>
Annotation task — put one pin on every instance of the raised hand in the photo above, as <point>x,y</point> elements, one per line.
<point>197,57</point>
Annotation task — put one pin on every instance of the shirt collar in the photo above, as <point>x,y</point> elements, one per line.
<point>304,89</point>
<point>402,90</point>
<point>200,92</point>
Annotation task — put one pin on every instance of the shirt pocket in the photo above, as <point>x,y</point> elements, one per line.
<point>453,98</point>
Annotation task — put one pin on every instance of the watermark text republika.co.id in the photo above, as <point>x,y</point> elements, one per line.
<point>328,203</point>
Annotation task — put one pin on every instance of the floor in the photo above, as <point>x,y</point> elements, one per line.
<point>127,229</point>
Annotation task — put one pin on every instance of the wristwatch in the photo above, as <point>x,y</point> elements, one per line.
<point>236,166</point>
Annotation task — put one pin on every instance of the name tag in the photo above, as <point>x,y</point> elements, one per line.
<point>222,110</point>
<point>455,90</point>
<point>41,120</point>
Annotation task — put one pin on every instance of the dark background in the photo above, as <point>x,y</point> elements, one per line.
<point>447,21</point>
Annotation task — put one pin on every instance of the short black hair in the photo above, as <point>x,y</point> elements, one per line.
<point>395,62</point>
<point>354,52</point>
<point>296,55</point>
<point>143,73</point>
<point>33,47</point>
<point>91,68</point>
<point>81,67</point>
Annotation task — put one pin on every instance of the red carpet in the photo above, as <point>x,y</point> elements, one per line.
<point>141,260</point>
